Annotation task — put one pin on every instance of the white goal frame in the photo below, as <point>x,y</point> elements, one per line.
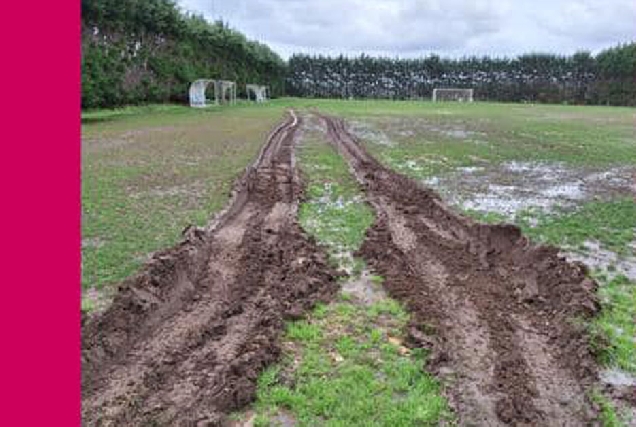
<point>224,92</point>
<point>196,92</point>
<point>260,92</point>
<point>453,94</point>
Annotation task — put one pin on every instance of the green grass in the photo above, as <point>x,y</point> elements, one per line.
<point>615,328</point>
<point>333,212</point>
<point>609,416</point>
<point>610,223</point>
<point>148,172</point>
<point>423,134</point>
<point>350,374</point>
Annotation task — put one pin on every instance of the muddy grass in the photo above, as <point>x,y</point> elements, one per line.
<point>184,340</point>
<point>148,173</point>
<point>346,363</point>
<point>567,179</point>
<point>496,311</point>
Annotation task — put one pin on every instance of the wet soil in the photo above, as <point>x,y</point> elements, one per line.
<point>502,317</point>
<point>185,339</point>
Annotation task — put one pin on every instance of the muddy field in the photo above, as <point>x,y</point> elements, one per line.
<point>185,340</point>
<point>493,308</point>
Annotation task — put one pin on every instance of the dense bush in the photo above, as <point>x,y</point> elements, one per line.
<point>608,78</point>
<point>140,51</point>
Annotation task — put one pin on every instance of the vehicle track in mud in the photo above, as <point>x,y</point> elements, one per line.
<point>185,339</point>
<point>498,313</point>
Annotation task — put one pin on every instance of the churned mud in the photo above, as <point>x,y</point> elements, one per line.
<point>185,339</point>
<point>502,317</point>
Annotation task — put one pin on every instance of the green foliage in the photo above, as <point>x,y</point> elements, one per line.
<point>144,51</point>
<point>581,78</point>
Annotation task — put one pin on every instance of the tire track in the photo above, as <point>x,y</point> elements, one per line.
<point>497,312</point>
<point>185,339</point>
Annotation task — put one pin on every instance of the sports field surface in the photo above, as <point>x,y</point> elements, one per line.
<point>328,262</point>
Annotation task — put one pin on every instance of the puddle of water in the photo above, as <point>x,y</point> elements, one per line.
<point>368,133</point>
<point>596,257</point>
<point>617,377</point>
<point>283,419</point>
<point>364,289</point>
<point>515,186</point>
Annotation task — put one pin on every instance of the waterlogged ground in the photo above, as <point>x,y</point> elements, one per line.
<point>566,177</point>
<point>345,364</point>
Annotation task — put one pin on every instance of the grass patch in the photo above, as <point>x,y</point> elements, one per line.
<point>609,416</point>
<point>615,328</point>
<point>428,139</point>
<point>334,211</point>
<point>351,374</point>
<point>610,223</point>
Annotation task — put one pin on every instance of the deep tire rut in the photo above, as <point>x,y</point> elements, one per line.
<point>185,339</point>
<point>501,316</point>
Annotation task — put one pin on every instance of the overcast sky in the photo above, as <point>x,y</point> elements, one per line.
<point>409,28</point>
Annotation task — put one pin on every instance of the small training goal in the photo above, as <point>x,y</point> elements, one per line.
<point>260,92</point>
<point>224,92</point>
<point>459,95</point>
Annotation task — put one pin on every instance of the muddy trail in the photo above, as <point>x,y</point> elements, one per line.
<point>497,312</point>
<point>185,339</point>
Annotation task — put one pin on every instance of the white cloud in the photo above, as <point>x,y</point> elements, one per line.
<point>416,27</point>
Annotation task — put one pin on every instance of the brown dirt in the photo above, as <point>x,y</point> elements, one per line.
<point>498,313</point>
<point>185,339</point>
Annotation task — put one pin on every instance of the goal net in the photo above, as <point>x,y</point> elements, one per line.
<point>460,95</point>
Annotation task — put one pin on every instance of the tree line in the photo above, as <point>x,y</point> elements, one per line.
<point>607,78</point>
<point>142,51</point>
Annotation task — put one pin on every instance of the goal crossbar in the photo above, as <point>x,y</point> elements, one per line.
<point>452,94</point>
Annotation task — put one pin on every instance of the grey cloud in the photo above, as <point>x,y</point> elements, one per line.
<point>413,27</point>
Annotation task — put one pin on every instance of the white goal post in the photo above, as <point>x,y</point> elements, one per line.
<point>449,94</point>
<point>224,92</point>
<point>260,92</point>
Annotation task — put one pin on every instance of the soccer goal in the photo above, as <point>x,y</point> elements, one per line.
<point>260,92</point>
<point>460,95</point>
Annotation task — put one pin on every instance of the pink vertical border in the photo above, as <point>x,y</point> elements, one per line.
<point>40,213</point>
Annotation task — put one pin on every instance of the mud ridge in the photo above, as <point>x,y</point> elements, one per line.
<point>501,316</point>
<point>185,339</point>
